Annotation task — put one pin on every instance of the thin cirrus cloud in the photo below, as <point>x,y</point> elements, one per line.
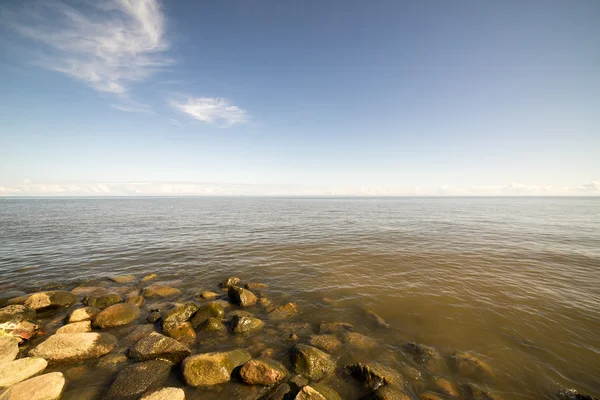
<point>108,45</point>
<point>212,110</point>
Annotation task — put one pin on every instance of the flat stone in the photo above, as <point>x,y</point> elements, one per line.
<point>358,341</point>
<point>138,379</point>
<point>165,394</point>
<point>44,387</point>
<point>148,277</point>
<point>157,346</point>
<point>283,312</point>
<point>256,286</point>
<point>182,332</point>
<point>262,372</point>
<point>9,348</point>
<point>241,297</point>
<point>212,368</point>
<point>117,315</point>
<point>76,327</point>
<point>240,325</point>
<point>11,294</point>
<point>328,343</point>
<point>122,278</point>
<point>83,314</point>
<point>207,295</point>
<point>102,301</point>
<point>311,362</point>
<point>154,291</point>
<point>335,327</point>
<point>111,361</point>
<point>74,346</point>
<point>46,300</point>
<point>20,370</point>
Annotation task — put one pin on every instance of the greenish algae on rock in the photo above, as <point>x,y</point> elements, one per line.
<point>212,368</point>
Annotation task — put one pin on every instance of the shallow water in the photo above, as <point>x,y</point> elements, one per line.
<point>515,280</point>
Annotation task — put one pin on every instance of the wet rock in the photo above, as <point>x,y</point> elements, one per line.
<point>262,372</point>
<point>266,303</point>
<point>298,382</point>
<point>135,299</point>
<point>358,341</point>
<point>373,375</point>
<point>281,392</point>
<point>430,396</point>
<point>76,327</point>
<point>283,312</point>
<point>241,313</point>
<point>472,392</point>
<point>44,387</point>
<point>148,277</point>
<point>111,361</point>
<point>241,325</point>
<point>328,343</point>
<point>231,281</point>
<point>19,370</point>
<point>292,337</point>
<point>157,346</point>
<point>179,315</point>
<point>46,300</point>
<point>182,332</point>
<point>83,314</point>
<point>375,320</point>
<point>74,346</point>
<point>22,330</point>
<point>206,311</point>
<point>16,312</point>
<point>165,394</point>
<point>389,393</point>
<point>317,392</point>
<point>154,291</point>
<point>153,317</point>
<point>256,286</point>
<point>4,297</point>
<point>122,278</point>
<point>138,333</point>
<point>88,290</point>
<point>207,295</point>
<point>102,301</point>
<point>117,315</point>
<point>335,327</point>
<point>213,325</point>
<point>419,352</point>
<point>445,387</point>
<point>298,328</point>
<point>572,394</point>
<point>138,379</point>
<point>469,365</point>
<point>86,393</point>
<point>9,348</point>
<point>212,368</point>
<point>241,297</point>
<point>311,362</point>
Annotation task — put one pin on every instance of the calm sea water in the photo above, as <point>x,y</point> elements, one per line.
<point>516,280</point>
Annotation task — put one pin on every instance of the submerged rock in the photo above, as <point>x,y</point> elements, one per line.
<point>179,315</point>
<point>213,325</point>
<point>135,299</point>
<point>328,343</point>
<point>153,317</point>
<point>148,277</point>
<point>256,286</point>
<point>231,281</point>
<point>19,370</point>
<point>430,396</point>
<point>373,375</point>
<point>469,365</point>
<point>165,394</point>
<point>76,327</point>
<point>154,291</point>
<point>311,362</point>
<point>281,392</point>
<point>138,379</point>
<point>241,297</point>
<point>16,312</point>
<point>335,327</point>
<point>420,352</point>
<point>472,392</point>
<point>389,393</point>
<point>102,301</point>
<point>9,348</point>
<point>11,294</point>
<point>44,387</point>
<point>446,387</point>
<point>298,328</point>
<point>262,371</point>
<point>122,278</point>
<point>212,368</point>
<point>572,394</point>
<point>375,319</point>
<point>206,311</point>
<point>157,346</point>
<point>111,361</point>
<point>46,300</point>
<point>283,312</point>
<point>245,324</point>
<point>358,341</point>
<point>207,295</point>
<point>83,314</point>
<point>74,346</point>
<point>317,392</point>
<point>117,315</point>
<point>182,332</point>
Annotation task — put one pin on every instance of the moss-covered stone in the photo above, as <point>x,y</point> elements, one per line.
<point>178,315</point>
<point>283,312</point>
<point>206,311</point>
<point>373,375</point>
<point>240,325</point>
<point>311,362</point>
<point>262,371</point>
<point>241,297</point>
<point>117,315</point>
<point>102,301</point>
<point>212,368</point>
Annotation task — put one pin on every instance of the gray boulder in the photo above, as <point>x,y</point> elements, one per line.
<point>157,346</point>
<point>44,387</point>
<point>212,368</point>
<point>138,379</point>
<point>9,348</point>
<point>66,347</point>
<point>311,362</point>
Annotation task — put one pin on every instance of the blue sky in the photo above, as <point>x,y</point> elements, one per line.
<point>300,97</point>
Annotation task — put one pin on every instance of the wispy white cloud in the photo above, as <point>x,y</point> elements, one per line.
<point>212,110</point>
<point>106,44</point>
<point>230,189</point>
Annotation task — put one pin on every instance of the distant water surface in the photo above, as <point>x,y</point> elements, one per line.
<point>516,280</point>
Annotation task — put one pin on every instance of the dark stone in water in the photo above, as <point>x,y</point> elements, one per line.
<point>102,301</point>
<point>572,394</point>
<point>231,281</point>
<point>179,315</point>
<point>373,375</point>
<point>472,392</point>
<point>241,297</point>
<point>335,327</point>
<point>281,392</point>
<point>206,311</point>
<point>311,362</point>
<point>139,378</point>
<point>245,324</point>
<point>4,297</point>
<point>389,393</point>
<point>160,347</point>
<point>262,371</point>
<point>420,352</point>
<point>153,317</point>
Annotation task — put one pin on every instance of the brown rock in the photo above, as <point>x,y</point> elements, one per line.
<point>262,372</point>
<point>231,281</point>
<point>283,312</point>
<point>160,347</point>
<point>154,291</point>
<point>358,341</point>
<point>256,286</point>
<point>117,315</point>
<point>76,327</point>
<point>329,342</point>
<point>471,366</point>
<point>373,375</point>
<point>46,300</point>
<point>138,379</point>
<point>123,278</point>
<point>66,347</point>
<point>212,368</point>
<point>182,332</point>
<point>9,348</point>
<point>83,314</point>
<point>241,297</point>
<point>148,277</point>
<point>102,301</point>
<point>135,299</point>
<point>207,295</point>
<point>311,362</point>
<point>241,325</point>
<point>335,327</point>
<point>44,387</point>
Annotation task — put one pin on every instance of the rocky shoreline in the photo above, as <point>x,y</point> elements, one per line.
<point>129,338</point>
